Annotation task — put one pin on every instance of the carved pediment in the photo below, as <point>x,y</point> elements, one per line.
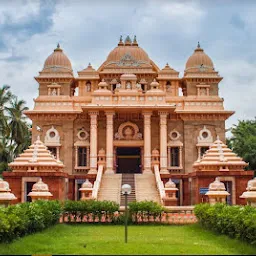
<point>128,131</point>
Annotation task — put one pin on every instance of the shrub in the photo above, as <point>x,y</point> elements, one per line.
<point>145,211</point>
<point>94,211</point>
<point>235,221</point>
<point>21,219</point>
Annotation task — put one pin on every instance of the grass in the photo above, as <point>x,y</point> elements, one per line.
<point>107,239</point>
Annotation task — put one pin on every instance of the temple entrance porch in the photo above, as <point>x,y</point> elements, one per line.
<point>128,160</point>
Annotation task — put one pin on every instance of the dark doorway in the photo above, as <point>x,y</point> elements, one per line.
<point>228,186</point>
<point>29,186</point>
<point>128,160</point>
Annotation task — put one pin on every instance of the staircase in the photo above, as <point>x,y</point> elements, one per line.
<point>110,188</point>
<point>128,179</point>
<point>146,189</point>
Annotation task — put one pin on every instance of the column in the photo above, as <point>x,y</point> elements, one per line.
<point>109,142</point>
<point>147,142</point>
<point>180,157</point>
<point>93,142</point>
<point>163,142</point>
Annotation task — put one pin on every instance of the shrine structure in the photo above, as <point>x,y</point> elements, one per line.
<point>128,122</point>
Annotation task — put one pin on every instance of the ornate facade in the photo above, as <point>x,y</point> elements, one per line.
<point>128,121</point>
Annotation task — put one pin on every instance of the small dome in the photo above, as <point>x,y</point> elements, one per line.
<point>4,186</point>
<point>87,184</point>
<point>170,184</point>
<point>102,84</point>
<point>154,84</point>
<point>128,76</point>
<point>155,152</point>
<point>251,185</point>
<point>199,60</point>
<point>40,186</point>
<point>58,60</point>
<point>217,185</point>
<point>102,152</point>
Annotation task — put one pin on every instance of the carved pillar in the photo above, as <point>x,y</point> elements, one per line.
<point>76,156</point>
<point>93,142</point>
<point>180,157</point>
<point>109,142</point>
<point>147,141</point>
<point>163,142</point>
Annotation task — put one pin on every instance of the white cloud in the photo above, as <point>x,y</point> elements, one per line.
<point>19,11</point>
<point>88,31</point>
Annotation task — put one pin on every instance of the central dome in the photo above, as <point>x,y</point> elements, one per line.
<point>128,50</point>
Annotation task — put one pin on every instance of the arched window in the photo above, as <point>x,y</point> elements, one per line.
<point>180,92</point>
<point>76,91</point>
<point>88,86</point>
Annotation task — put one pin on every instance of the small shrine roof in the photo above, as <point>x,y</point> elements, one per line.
<point>220,155</point>
<point>36,155</point>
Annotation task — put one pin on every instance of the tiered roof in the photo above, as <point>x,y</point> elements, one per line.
<point>220,157</point>
<point>36,158</point>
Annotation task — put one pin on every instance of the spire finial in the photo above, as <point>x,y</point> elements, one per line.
<point>58,45</point>
<point>135,41</point>
<point>89,65</point>
<point>121,41</point>
<point>128,40</point>
<point>198,44</point>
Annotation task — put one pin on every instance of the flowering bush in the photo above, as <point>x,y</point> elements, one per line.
<point>21,219</point>
<point>235,221</point>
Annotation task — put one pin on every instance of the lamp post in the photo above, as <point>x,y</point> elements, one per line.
<point>126,190</point>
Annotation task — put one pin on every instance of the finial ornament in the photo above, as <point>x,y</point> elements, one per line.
<point>198,45</point>
<point>58,45</point>
<point>121,38</point>
<point>89,64</point>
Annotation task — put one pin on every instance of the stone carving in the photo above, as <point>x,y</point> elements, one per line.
<point>128,85</point>
<point>205,136</point>
<point>174,135</point>
<point>83,135</point>
<point>128,131</point>
<point>52,137</point>
<point>54,92</point>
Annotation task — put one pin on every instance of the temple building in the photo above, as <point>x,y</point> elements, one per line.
<point>132,122</point>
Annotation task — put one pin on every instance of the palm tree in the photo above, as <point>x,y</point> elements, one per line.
<point>5,98</point>
<point>17,124</point>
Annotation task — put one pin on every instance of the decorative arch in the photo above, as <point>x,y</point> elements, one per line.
<point>128,131</point>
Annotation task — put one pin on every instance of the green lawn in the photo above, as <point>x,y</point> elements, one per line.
<point>100,239</point>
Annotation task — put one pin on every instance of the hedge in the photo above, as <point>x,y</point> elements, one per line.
<point>144,211</point>
<point>26,218</point>
<point>235,221</point>
<point>91,210</point>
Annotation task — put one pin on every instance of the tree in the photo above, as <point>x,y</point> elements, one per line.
<point>243,141</point>
<point>15,135</point>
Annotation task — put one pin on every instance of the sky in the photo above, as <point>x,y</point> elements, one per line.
<point>167,30</point>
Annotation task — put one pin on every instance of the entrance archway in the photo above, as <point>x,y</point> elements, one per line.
<point>128,159</point>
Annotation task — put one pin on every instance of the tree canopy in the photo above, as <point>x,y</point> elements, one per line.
<point>243,141</point>
<point>14,128</point>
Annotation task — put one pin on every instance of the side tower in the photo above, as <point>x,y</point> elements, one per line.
<point>202,111</point>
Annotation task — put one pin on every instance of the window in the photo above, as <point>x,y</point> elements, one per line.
<point>175,161</point>
<point>82,156</point>
<point>88,86</point>
<point>203,150</point>
<point>53,150</point>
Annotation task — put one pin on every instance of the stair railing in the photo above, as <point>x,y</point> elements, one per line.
<point>96,186</point>
<point>159,183</point>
